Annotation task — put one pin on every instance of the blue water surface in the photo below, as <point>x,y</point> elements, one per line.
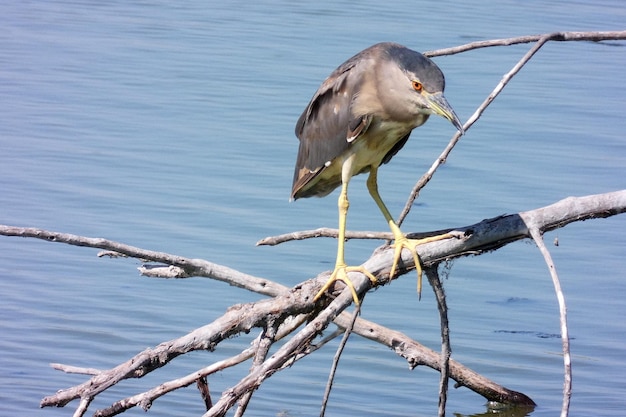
<point>169,126</point>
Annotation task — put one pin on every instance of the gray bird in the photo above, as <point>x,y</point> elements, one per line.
<point>358,119</point>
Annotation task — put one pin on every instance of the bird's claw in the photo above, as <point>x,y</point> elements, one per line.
<point>341,274</point>
<point>402,242</point>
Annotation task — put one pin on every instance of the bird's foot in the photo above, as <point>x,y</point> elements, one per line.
<point>402,242</point>
<point>341,274</point>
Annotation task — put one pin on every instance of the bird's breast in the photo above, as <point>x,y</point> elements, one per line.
<point>370,149</point>
<point>367,151</point>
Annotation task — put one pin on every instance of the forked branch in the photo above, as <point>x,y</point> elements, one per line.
<point>298,302</point>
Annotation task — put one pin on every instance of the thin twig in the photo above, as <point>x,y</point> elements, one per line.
<point>432,274</point>
<point>322,232</point>
<point>265,341</point>
<point>335,364</point>
<point>205,392</point>
<point>334,233</point>
<point>556,36</point>
<point>536,234</point>
<point>425,179</point>
<point>70,369</point>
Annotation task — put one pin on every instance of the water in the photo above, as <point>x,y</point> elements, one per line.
<point>170,127</point>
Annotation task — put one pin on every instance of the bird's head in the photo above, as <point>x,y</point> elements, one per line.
<point>411,86</point>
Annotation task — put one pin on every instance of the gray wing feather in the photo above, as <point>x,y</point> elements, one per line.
<point>325,128</point>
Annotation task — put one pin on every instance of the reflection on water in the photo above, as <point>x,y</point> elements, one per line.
<point>520,411</point>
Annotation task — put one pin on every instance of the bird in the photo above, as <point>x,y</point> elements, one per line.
<point>356,121</point>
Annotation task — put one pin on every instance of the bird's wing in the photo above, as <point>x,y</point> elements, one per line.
<point>327,126</point>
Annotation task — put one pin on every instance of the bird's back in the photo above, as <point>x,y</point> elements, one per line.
<point>344,112</point>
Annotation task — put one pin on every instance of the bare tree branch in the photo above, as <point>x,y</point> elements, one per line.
<point>322,232</point>
<point>537,235</point>
<point>335,364</point>
<point>484,236</point>
<point>555,36</point>
<point>432,273</point>
<point>188,267</point>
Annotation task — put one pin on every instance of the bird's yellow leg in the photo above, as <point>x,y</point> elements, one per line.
<point>400,240</point>
<point>341,270</point>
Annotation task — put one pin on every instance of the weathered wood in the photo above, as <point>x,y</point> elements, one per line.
<point>484,236</point>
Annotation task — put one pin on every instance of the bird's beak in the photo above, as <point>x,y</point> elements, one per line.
<point>439,105</point>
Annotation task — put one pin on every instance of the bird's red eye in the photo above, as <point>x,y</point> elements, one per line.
<point>417,86</point>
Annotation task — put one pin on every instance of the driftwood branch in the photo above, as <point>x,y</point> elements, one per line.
<point>297,304</point>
